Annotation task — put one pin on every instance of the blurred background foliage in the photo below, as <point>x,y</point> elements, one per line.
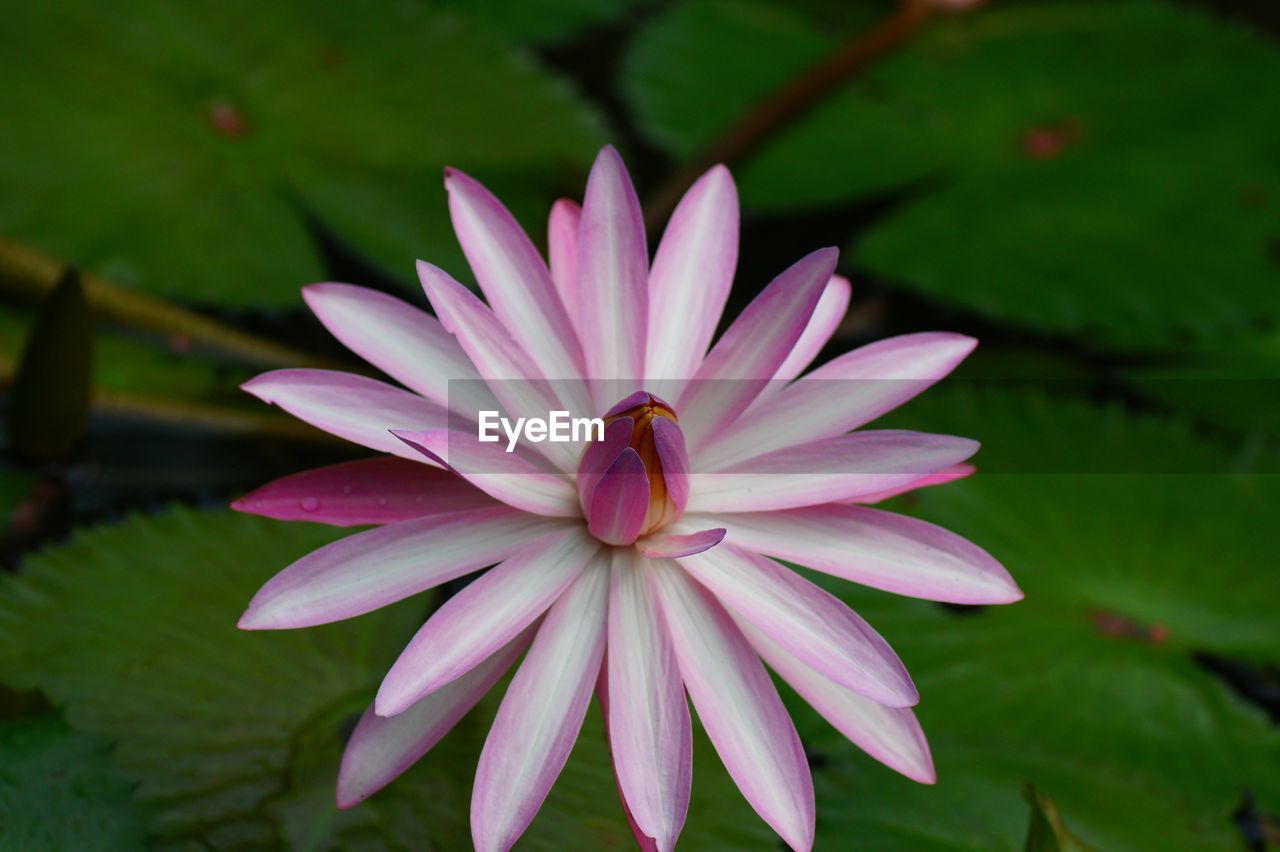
<point>1090,186</point>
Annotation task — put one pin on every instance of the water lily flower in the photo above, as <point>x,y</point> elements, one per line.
<point>642,567</point>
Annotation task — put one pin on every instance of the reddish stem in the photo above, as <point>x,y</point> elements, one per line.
<point>800,94</point>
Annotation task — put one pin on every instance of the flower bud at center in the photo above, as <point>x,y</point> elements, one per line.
<point>662,509</point>
<point>635,481</point>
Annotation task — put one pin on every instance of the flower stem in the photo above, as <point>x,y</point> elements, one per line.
<point>32,275</point>
<point>797,96</point>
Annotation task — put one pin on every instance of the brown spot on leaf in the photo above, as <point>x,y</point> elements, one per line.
<point>333,57</point>
<point>1120,626</point>
<point>180,344</point>
<point>1047,141</point>
<point>228,121</point>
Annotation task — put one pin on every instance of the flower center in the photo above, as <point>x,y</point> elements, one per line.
<point>635,481</point>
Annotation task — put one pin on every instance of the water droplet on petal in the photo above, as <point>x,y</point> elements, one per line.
<point>310,504</point>
<point>382,501</point>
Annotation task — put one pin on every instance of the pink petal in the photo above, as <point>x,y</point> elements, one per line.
<point>483,617</point>
<point>406,343</point>
<point>352,407</point>
<point>512,478</point>
<point>826,318</point>
<point>674,546</point>
<point>889,734</point>
<point>644,842</point>
<point>951,474</point>
<point>753,348</point>
<point>613,267</point>
<point>875,548</point>
<point>513,277</point>
<point>600,456</point>
<point>807,621</point>
<point>620,500</point>
<point>562,251</point>
<point>363,572</point>
<point>738,706</point>
<point>541,713</point>
<point>839,396</point>
<point>511,375</point>
<point>370,491</point>
<point>649,727</point>
<point>668,441</point>
<point>691,276</point>
<point>832,470</point>
<point>381,749</point>
<point>632,400</point>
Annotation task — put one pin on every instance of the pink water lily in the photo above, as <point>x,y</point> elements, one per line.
<point>640,567</point>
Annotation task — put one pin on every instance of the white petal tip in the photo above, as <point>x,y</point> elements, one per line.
<point>957,347</point>
<point>321,289</point>
<point>898,696</point>
<point>347,799</point>
<point>799,841</point>
<point>486,842</point>
<point>253,620</point>
<point>395,698</point>
<point>254,387</point>
<point>717,179</point>
<point>1011,594</point>
<point>998,589</point>
<point>387,706</point>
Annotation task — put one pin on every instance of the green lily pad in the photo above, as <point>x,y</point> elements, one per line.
<point>1090,686</point>
<point>174,147</point>
<point>1075,179</point>
<point>59,790</point>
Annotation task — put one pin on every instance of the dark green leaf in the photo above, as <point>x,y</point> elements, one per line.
<point>1083,183</point>
<point>1090,685</point>
<point>171,146</point>
<point>58,790</point>
<point>1235,390</point>
<point>132,629</point>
